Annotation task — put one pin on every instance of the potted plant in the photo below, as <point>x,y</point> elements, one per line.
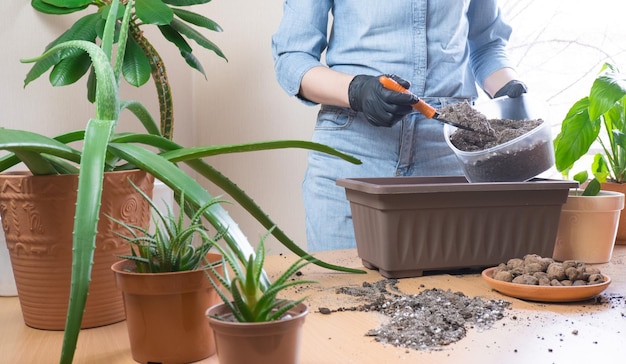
<point>252,324</point>
<point>166,293</point>
<point>104,150</point>
<point>141,61</point>
<point>599,118</point>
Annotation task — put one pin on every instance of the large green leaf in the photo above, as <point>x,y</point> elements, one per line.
<point>68,3</point>
<point>606,90</point>
<point>197,19</point>
<point>88,201</point>
<point>577,134</point>
<point>136,68</point>
<point>83,29</point>
<point>48,7</point>
<point>191,33</point>
<point>70,70</point>
<point>173,36</point>
<point>153,12</point>
<point>185,2</point>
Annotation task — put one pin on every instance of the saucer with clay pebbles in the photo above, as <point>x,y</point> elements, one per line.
<point>545,293</point>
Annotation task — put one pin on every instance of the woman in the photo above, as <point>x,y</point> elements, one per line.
<point>441,50</point>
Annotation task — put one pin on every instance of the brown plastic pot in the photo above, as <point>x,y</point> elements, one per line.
<point>165,313</point>
<point>276,342</point>
<point>38,220</point>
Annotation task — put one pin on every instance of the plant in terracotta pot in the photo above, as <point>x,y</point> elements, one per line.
<point>166,293</point>
<point>103,151</point>
<point>254,325</point>
<point>597,118</point>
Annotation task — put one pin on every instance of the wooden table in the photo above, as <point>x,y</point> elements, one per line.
<point>530,332</point>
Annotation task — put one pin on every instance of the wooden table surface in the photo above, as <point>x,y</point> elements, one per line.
<point>530,332</point>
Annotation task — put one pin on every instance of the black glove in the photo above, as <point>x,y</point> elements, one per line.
<point>513,88</point>
<point>382,107</point>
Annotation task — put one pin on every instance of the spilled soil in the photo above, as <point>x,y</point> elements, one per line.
<point>430,319</point>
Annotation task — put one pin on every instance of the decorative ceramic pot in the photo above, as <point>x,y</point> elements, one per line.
<point>7,281</point>
<point>620,238</point>
<point>165,313</point>
<point>587,227</point>
<point>276,342</point>
<point>38,221</point>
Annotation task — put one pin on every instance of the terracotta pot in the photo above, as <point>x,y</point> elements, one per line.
<point>165,313</point>
<point>276,342</point>
<point>588,226</point>
<point>38,219</point>
<point>620,238</point>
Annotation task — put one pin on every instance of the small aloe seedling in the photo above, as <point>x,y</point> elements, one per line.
<point>251,301</point>
<point>171,248</point>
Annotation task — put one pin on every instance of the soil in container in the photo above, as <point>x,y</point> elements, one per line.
<point>495,132</point>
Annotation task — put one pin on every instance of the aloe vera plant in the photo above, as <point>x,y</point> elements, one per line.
<point>245,294</point>
<point>171,247</point>
<point>104,150</point>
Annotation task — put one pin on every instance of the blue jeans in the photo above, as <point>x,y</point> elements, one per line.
<point>413,147</point>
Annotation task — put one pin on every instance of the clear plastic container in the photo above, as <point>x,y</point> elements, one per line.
<point>517,160</point>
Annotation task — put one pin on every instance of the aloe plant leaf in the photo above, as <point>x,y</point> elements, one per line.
<point>191,33</point>
<point>88,202</point>
<point>142,114</point>
<point>197,19</point>
<point>154,12</point>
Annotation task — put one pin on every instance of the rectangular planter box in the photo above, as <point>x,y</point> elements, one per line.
<point>407,225</point>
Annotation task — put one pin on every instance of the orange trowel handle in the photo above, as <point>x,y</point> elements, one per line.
<point>420,105</point>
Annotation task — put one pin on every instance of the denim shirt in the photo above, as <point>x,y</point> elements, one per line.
<point>443,47</point>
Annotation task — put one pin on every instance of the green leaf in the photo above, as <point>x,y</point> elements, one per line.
<point>185,2</point>
<point>154,12</point>
<point>173,36</point>
<point>83,29</point>
<point>197,19</point>
<point>577,134</point>
<point>70,70</point>
<point>88,201</point>
<point>47,7</point>
<point>193,34</point>
<point>136,68</point>
<point>68,3</point>
<point>193,62</point>
<point>593,188</point>
<point>606,90</point>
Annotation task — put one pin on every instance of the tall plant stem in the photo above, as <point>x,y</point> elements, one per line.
<point>161,82</point>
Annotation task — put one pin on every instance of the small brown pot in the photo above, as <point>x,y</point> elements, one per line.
<point>620,238</point>
<point>38,219</point>
<point>165,313</point>
<point>276,342</point>
<point>587,227</point>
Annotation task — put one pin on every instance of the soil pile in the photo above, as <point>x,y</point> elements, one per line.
<point>431,319</point>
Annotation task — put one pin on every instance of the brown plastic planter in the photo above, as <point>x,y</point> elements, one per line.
<point>407,225</point>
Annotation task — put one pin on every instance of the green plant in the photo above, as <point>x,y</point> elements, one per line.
<point>244,293</point>
<point>171,247</point>
<point>141,60</point>
<point>599,117</point>
<point>105,150</point>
